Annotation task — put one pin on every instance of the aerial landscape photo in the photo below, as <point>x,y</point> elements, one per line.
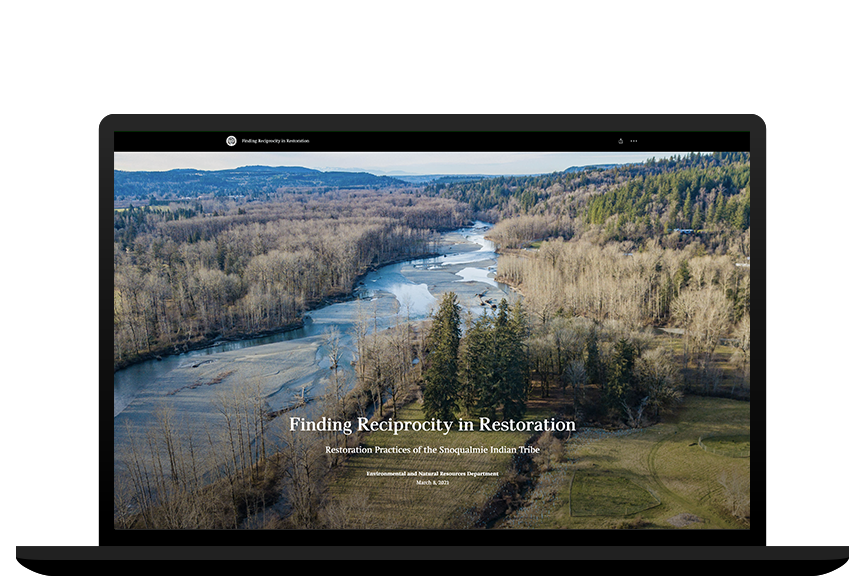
<point>493,341</point>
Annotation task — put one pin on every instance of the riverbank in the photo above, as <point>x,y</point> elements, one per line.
<point>292,372</point>
<point>208,341</point>
<point>159,354</point>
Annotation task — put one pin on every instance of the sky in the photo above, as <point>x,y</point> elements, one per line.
<point>491,163</point>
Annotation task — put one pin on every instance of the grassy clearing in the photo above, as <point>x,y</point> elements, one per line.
<point>607,493</point>
<point>665,460</point>
<point>733,445</point>
<point>399,501</point>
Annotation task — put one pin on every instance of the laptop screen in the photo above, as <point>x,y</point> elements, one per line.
<point>485,327</point>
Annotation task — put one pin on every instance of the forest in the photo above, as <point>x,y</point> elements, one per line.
<point>605,256</point>
<point>183,277</point>
<point>630,202</point>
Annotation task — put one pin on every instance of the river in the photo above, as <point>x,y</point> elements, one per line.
<point>294,364</point>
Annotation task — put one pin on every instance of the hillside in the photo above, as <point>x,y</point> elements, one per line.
<point>251,181</point>
<point>630,201</point>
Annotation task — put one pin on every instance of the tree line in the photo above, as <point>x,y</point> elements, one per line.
<point>704,296</point>
<point>490,365</point>
<point>609,373</point>
<point>255,268</point>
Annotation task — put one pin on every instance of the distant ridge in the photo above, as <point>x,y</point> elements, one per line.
<point>589,167</point>
<point>283,169</point>
<point>278,169</point>
<point>250,181</point>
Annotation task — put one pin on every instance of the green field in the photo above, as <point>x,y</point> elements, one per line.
<point>607,493</point>
<point>651,478</point>
<point>735,446</point>
<point>607,480</point>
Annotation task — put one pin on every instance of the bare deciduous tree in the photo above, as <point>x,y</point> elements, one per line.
<point>660,376</point>
<point>349,511</point>
<point>741,338</point>
<point>304,470</point>
<point>551,451</point>
<point>706,316</point>
<point>577,378</point>
<point>736,488</point>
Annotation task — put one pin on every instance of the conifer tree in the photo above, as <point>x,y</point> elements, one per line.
<point>477,391</point>
<point>441,375</point>
<point>510,335</point>
<point>494,364</point>
<point>621,374</point>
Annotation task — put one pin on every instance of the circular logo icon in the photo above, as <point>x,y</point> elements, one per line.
<point>231,140</point>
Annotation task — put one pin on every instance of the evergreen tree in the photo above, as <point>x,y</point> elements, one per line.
<point>682,277</point>
<point>475,370</point>
<point>696,224</point>
<point>741,218</point>
<point>593,365</point>
<point>688,208</point>
<point>441,376</point>
<point>720,208</point>
<point>510,335</point>
<point>494,364</point>
<point>621,374</point>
